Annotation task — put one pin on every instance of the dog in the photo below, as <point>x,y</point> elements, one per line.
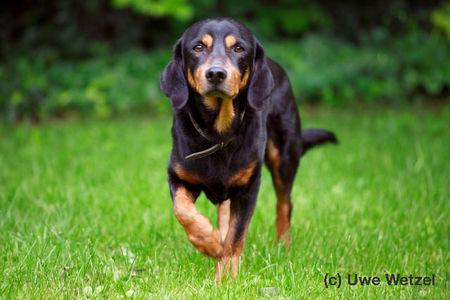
<point>233,110</point>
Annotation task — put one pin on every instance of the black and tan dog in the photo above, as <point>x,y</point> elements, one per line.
<point>234,109</point>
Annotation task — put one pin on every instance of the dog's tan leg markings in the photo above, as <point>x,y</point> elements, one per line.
<point>243,176</point>
<point>198,229</point>
<point>223,218</point>
<point>283,217</point>
<point>232,249</point>
<point>284,206</point>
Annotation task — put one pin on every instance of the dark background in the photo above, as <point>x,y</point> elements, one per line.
<point>103,58</point>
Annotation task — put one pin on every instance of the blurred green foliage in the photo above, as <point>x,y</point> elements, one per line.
<point>177,8</point>
<point>102,86</point>
<point>104,57</point>
<point>441,18</point>
<point>321,69</point>
<point>412,67</point>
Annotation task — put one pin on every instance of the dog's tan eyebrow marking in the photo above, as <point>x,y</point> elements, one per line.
<point>208,40</point>
<point>230,41</point>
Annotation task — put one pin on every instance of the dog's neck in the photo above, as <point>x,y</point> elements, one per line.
<point>221,121</point>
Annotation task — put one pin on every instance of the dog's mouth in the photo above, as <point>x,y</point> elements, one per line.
<point>217,93</point>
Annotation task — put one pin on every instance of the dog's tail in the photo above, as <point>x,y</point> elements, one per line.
<point>313,137</point>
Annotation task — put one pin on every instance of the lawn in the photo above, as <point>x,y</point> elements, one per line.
<point>85,212</point>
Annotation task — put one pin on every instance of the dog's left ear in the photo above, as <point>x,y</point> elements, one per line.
<point>261,84</point>
<point>173,82</point>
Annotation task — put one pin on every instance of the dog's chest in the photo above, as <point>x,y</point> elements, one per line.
<point>217,179</point>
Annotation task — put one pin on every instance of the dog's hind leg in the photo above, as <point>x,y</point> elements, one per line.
<point>283,164</point>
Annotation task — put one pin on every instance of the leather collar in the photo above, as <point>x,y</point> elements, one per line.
<point>214,148</point>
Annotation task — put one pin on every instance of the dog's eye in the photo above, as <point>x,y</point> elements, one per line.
<point>238,49</point>
<point>198,48</point>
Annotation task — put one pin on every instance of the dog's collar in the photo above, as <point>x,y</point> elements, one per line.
<point>213,149</point>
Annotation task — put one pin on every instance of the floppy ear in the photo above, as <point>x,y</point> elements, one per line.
<point>261,84</point>
<point>173,82</point>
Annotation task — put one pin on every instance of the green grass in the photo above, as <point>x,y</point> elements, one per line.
<point>85,211</point>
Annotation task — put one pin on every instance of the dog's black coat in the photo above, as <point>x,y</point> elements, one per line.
<point>269,112</point>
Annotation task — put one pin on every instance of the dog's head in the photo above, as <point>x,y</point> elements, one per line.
<point>217,59</point>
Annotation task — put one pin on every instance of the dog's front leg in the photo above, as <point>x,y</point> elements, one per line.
<point>223,218</point>
<point>242,205</point>
<point>198,228</point>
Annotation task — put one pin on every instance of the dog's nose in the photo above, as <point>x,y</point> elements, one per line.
<point>216,75</point>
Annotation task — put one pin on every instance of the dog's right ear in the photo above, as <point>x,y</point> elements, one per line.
<point>173,82</point>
